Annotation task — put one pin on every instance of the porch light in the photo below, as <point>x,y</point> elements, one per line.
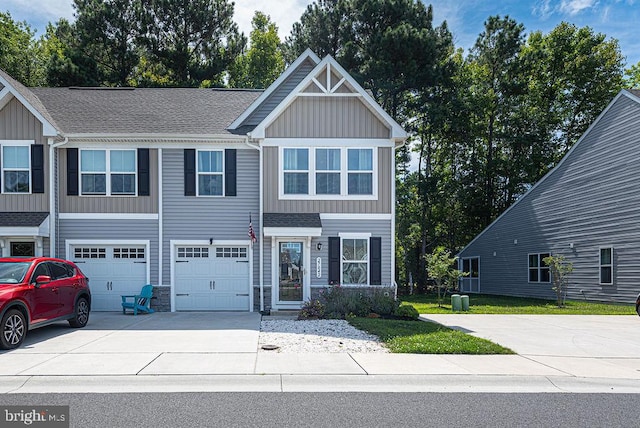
<point>319,246</point>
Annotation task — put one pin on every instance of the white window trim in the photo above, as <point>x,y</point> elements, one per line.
<point>15,143</point>
<point>539,268</point>
<point>108,173</point>
<point>600,265</point>
<point>366,237</point>
<point>222,173</point>
<point>344,174</point>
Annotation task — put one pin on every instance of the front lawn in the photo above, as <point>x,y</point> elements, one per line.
<point>419,337</point>
<point>486,304</point>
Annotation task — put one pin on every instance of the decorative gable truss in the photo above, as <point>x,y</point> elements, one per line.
<point>329,81</point>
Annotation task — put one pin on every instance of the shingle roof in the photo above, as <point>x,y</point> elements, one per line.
<point>22,219</point>
<point>291,220</point>
<point>176,111</point>
<point>635,92</point>
<point>28,95</point>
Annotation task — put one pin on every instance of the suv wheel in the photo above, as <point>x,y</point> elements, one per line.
<point>13,329</point>
<point>81,316</point>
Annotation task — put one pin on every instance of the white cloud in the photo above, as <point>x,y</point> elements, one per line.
<point>543,9</point>
<point>283,12</point>
<point>573,7</point>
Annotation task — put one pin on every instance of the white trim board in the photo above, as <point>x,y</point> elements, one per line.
<point>106,216</point>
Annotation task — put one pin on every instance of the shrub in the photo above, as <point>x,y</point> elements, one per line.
<point>407,311</point>
<point>383,302</point>
<point>340,302</point>
<point>312,310</point>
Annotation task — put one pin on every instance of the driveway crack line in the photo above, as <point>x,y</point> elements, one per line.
<point>357,363</point>
<point>149,363</point>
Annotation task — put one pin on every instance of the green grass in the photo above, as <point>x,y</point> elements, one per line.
<point>485,304</point>
<point>419,337</point>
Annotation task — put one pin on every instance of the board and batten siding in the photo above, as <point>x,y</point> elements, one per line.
<point>327,117</point>
<point>110,230</point>
<point>280,93</point>
<point>202,218</point>
<point>17,123</point>
<point>380,206</point>
<point>109,204</point>
<point>589,201</point>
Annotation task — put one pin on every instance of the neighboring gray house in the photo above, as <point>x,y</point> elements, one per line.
<point>158,186</point>
<point>586,209</point>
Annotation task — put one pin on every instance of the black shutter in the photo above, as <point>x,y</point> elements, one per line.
<point>72,172</point>
<point>375,261</point>
<point>189,172</point>
<point>334,260</point>
<point>143,172</point>
<point>230,172</point>
<point>37,168</point>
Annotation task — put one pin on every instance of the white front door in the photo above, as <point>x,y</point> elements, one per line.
<point>211,278</point>
<point>113,271</point>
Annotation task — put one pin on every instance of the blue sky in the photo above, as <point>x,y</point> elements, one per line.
<point>616,18</point>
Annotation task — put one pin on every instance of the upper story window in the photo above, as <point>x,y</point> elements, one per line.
<point>296,171</point>
<point>210,173</point>
<point>108,172</point>
<point>328,172</point>
<point>606,266</point>
<point>360,170</point>
<point>16,169</point>
<point>538,269</point>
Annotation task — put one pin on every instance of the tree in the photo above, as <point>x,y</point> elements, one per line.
<point>325,26</point>
<point>560,269</point>
<point>20,55</point>
<point>632,74</point>
<point>107,31</point>
<point>440,266</point>
<point>263,62</point>
<point>191,40</point>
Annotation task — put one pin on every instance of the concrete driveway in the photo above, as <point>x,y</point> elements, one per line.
<point>579,345</point>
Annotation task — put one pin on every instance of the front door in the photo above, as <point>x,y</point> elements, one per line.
<point>291,272</point>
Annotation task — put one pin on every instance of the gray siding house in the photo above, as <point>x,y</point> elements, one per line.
<point>223,199</point>
<point>586,209</point>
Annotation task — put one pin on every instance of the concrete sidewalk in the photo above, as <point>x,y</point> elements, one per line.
<point>218,352</point>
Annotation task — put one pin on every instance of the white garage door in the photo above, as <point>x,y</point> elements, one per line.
<point>212,278</point>
<point>113,270</point>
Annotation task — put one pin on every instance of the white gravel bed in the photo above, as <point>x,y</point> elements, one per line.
<point>312,336</point>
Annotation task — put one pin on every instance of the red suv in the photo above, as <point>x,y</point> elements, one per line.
<point>38,291</point>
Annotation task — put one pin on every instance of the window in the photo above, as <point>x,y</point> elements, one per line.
<point>470,266</point>
<point>328,171</point>
<point>128,253</point>
<point>108,172</point>
<point>360,171</point>
<point>606,266</point>
<point>16,163</point>
<point>231,252</point>
<point>296,171</point>
<point>210,173</point>
<point>193,252</point>
<point>355,261</point>
<point>90,253</point>
<point>61,270</point>
<point>538,269</point>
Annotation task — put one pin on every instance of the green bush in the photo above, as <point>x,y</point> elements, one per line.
<point>407,311</point>
<point>383,302</point>
<point>340,302</point>
<point>312,310</point>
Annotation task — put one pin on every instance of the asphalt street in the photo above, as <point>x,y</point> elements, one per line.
<point>341,409</point>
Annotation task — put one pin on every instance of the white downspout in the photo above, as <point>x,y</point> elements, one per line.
<point>52,201</point>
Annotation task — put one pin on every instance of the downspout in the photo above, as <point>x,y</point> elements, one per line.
<point>53,196</point>
<point>393,218</point>
<point>261,235</point>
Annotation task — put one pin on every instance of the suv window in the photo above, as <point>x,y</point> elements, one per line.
<point>60,270</point>
<point>41,269</point>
